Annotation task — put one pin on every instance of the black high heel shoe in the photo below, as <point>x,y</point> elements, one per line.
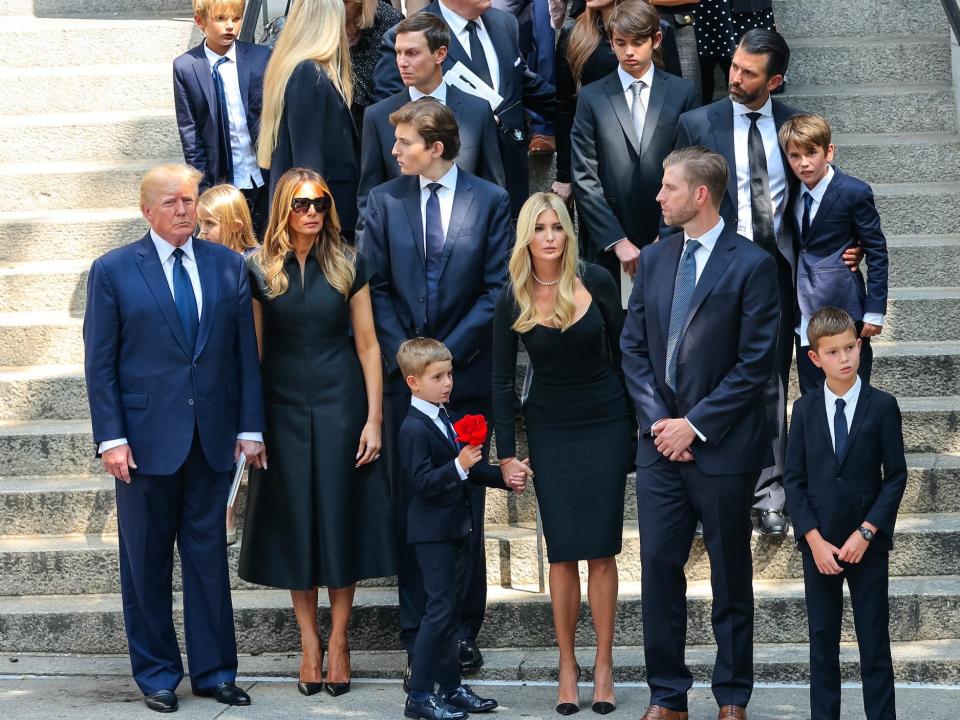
<point>312,688</point>
<point>337,689</point>
<point>568,708</point>
<point>603,707</point>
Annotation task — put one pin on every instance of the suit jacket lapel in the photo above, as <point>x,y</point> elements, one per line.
<point>202,70</point>
<point>830,197</point>
<point>456,52</point>
<point>243,75</point>
<point>667,279</point>
<point>716,265</point>
<point>411,202</point>
<point>422,417</point>
<point>614,92</point>
<point>149,266</point>
<point>462,200</point>
<point>658,95</point>
<point>207,268</point>
<point>722,122</point>
<point>862,403</point>
<point>820,411</point>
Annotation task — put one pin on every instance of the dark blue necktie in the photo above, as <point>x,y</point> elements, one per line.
<point>434,238</point>
<point>223,120</point>
<point>839,428</point>
<point>478,58</point>
<point>451,433</point>
<point>805,221</point>
<point>184,299</point>
<point>683,288</point>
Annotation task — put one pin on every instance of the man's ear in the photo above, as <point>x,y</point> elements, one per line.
<point>442,53</point>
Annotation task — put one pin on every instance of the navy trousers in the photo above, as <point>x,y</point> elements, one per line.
<point>152,512</point>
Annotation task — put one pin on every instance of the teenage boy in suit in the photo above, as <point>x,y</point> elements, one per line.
<point>623,129</point>
<point>218,95</point>
<point>435,470</point>
<point>845,475</point>
<point>438,240</point>
<point>830,212</point>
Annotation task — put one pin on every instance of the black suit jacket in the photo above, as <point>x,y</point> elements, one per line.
<point>726,353</point>
<point>616,175</point>
<point>195,99</point>
<point>439,504</point>
<point>479,149</point>
<point>837,495</point>
<point>474,268</point>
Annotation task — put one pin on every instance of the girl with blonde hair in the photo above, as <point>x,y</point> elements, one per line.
<point>319,514</point>
<point>578,420</point>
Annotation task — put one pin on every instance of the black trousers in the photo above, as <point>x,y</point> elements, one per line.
<point>811,377</point>
<point>867,581</point>
<point>671,497</point>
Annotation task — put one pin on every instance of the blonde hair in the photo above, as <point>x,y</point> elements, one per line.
<point>521,266</point>
<point>228,206</point>
<point>807,132</point>
<point>335,257</point>
<point>163,176</point>
<point>417,354</point>
<point>367,14</point>
<point>203,9</point>
<point>826,322</point>
<point>315,30</point>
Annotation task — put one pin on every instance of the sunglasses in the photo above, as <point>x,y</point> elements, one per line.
<point>301,205</point>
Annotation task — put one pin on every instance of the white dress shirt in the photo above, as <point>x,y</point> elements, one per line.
<point>458,26</point>
<point>817,193</point>
<point>439,94</point>
<point>830,401</point>
<point>776,173</point>
<point>444,195</point>
<point>627,80</point>
<point>433,412</point>
<point>246,173</point>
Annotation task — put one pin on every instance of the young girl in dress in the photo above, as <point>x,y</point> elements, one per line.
<point>224,218</point>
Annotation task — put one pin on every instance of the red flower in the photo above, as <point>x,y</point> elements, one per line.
<point>471,429</point>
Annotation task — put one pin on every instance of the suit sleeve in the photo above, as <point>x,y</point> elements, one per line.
<point>715,414</point>
<point>883,513</point>
<point>194,151</point>
<point>870,237</point>
<point>101,348</point>
<point>426,479</point>
<point>386,76</point>
<point>795,476</point>
<point>566,106</point>
<point>607,296</point>
<point>637,368</point>
<point>372,171</point>
<point>483,473</point>
<point>538,95</point>
<point>491,161</point>
<point>251,417</point>
<point>504,372</point>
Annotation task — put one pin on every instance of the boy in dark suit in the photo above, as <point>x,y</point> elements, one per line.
<point>832,212</point>
<point>435,469</point>
<point>218,94</point>
<point>844,478</point>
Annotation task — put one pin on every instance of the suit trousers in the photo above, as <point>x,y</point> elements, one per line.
<point>436,659</point>
<point>868,582</point>
<point>671,497</point>
<point>153,511</point>
<point>811,377</point>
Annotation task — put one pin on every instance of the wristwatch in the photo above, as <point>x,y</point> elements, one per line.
<point>867,533</point>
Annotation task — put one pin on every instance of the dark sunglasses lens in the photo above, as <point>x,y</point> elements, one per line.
<point>302,205</point>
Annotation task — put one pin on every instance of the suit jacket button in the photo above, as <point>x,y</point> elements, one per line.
<point>190,401</point>
<point>420,299</point>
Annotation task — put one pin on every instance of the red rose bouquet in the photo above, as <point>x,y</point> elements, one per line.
<point>471,429</point>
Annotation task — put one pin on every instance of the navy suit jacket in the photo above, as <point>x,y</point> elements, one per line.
<point>439,504</point>
<point>712,127</point>
<point>836,495</point>
<point>726,351</point>
<point>195,99</point>
<point>473,271</point>
<point>145,384</point>
<point>479,149</point>
<point>847,216</point>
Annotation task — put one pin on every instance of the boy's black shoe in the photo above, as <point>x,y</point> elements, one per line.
<point>773,522</point>
<point>463,698</point>
<point>470,656</point>
<point>433,708</point>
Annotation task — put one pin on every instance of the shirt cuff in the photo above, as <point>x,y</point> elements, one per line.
<point>694,428</point>
<point>610,246</point>
<point>110,444</point>
<point>255,436</point>
<point>873,318</point>
<point>460,471</point>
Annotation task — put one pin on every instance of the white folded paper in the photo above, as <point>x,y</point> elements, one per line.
<point>460,76</point>
<point>626,287</point>
<point>237,478</point>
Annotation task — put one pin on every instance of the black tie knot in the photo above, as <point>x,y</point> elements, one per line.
<point>754,116</point>
<point>434,187</point>
<point>472,26</point>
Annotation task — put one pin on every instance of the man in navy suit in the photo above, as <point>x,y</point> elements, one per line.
<point>484,39</point>
<point>218,95</point>
<point>438,240</point>
<point>698,348</point>
<point>173,381</point>
<point>422,41</point>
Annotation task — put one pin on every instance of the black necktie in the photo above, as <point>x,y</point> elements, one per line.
<point>478,58</point>
<point>184,299</point>
<point>223,120</point>
<point>434,255</point>
<point>805,221</point>
<point>839,428</point>
<point>451,433</point>
<point>761,205</point>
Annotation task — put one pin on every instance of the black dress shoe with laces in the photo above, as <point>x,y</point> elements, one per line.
<point>164,701</point>
<point>463,698</point>
<point>773,522</point>
<point>433,708</point>
<point>406,679</point>
<point>471,658</point>
<point>226,693</point>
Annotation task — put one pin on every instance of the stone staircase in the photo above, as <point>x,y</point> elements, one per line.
<point>88,107</point>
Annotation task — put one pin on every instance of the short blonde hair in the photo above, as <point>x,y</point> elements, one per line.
<point>807,132</point>
<point>227,205</point>
<point>826,322</point>
<point>417,354</point>
<point>163,175</point>
<point>203,9</point>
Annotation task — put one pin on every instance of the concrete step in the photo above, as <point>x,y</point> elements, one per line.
<point>907,369</point>
<point>104,40</point>
<point>56,285</point>
<point>923,260</point>
<point>92,8</point>
<point>920,609</point>
<point>38,392</point>
<point>854,18</point>
<point>40,338</point>
<point>869,59</point>
<point>41,235</point>
<point>913,107</point>
<point>921,313</point>
<point>114,136</point>
<point>919,208</point>
<point>900,157</point>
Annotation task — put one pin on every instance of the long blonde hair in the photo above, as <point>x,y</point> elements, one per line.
<point>315,30</point>
<point>521,266</point>
<point>335,257</point>
<point>228,206</point>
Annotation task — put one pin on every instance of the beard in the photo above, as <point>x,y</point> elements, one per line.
<point>683,214</point>
<point>738,96</point>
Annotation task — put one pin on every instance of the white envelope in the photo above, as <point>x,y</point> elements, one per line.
<point>462,77</point>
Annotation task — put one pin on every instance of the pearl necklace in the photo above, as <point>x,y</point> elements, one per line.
<point>545,284</point>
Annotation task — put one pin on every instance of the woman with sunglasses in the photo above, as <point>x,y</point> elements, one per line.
<point>319,514</point>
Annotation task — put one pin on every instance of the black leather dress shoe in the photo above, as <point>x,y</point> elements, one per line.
<point>470,656</point>
<point>463,698</point>
<point>162,701</point>
<point>433,708</point>
<point>406,679</point>
<point>226,693</point>
<point>773,522</point>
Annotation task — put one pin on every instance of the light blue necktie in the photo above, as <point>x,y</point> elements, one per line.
<point>434,238</point>
<point>184,299</point>
<point>683,288</point>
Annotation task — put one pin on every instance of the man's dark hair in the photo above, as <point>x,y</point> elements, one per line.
<point>434,29</point>
<point>771,44</point>
<point>433,121</point>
